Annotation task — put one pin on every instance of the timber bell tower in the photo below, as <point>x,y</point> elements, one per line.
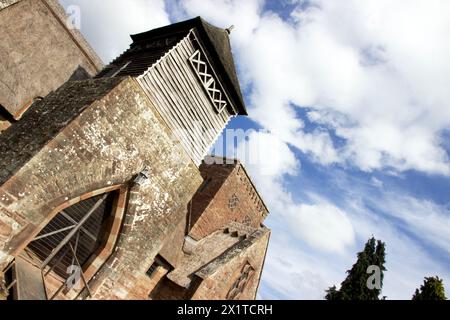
<point>187,70</point>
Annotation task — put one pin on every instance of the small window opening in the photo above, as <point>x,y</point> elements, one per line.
<point>152,269</point>
<point>233,202</point>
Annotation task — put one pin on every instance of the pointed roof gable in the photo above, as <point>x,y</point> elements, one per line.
<point>217,42</point>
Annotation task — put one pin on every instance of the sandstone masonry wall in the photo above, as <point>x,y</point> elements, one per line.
<point>38,52</point>
<point>103,144</point>
<point>229,196</point>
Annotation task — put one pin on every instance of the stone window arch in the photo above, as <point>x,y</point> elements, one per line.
<point>73,244</point>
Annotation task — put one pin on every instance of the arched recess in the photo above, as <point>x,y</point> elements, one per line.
<point>71,246</point>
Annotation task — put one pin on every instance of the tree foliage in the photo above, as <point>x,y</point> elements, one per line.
<point>432,289</point>
<point>355,286</point>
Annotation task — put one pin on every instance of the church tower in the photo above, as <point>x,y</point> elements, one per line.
<point>104,191</point>
<point>187,70</point>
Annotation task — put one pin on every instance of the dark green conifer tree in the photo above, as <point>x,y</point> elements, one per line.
<point>355,286</point>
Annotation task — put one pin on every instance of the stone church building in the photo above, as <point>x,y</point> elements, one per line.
<point>106,187</point>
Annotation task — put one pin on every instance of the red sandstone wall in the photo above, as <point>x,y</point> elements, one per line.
<point>211,208</point>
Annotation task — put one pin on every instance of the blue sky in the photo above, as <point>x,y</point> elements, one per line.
<point>349,102</point>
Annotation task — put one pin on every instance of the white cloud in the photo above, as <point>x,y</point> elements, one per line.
<point>268,161</point>
<point>383,65</point>
<point>376,182</point>
<point>423,218</point>
<point>266,153</point>
<point>321,225</point>
<point>107,25</point>
<point>244,15</point>
<point>294,273</point>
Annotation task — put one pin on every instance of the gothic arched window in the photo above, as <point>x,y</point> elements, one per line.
<point>76,241</point>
